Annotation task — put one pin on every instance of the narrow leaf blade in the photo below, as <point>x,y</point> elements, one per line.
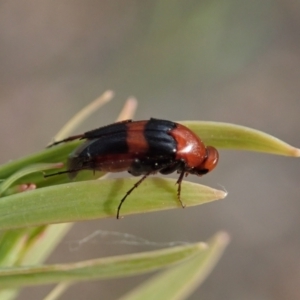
<point>103,268</point>
<point>97,199</point>
<point>236,137</point>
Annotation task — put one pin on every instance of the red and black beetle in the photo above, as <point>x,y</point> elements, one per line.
<point>141,148</point>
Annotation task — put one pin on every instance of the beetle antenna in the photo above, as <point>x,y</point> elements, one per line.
<point>69,139</point>
<point>61,172</point>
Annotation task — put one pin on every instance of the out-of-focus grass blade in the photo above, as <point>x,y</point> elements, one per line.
<point>236,137</point>
<point>97,199</point>
<point>9,294</point>
<point>181,280</point>
<point>83,114</point>
<point>128,110</point>
<point>44,244</point>
<point>57,291</point>
<point>103,268</point>
<point>12,242</point>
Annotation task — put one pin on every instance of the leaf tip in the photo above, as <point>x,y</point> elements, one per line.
<point>223,238</point>
<point>108,95</point>
<point>221,194</point>
<point>129,109</point>
<point>295,152</point>
<point>203,246</point>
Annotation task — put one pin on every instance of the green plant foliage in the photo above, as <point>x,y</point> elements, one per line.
<point>97,199</point>
<point>25,216</point>
<point>103,268</point>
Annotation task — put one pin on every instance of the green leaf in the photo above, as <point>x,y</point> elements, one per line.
<point>236,137</point>
<point>181,280</point>
<point>11,244</point>
<point>8,294</point>
<point>97,199</point>
<point>42,246</point>
<point>104,268</point>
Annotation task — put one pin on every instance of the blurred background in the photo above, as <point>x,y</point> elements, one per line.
<point>232,61</point>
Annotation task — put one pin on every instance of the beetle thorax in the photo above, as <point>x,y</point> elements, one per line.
<point>189,147</point>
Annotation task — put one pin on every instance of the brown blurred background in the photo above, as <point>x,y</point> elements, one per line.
<point>232,61</point>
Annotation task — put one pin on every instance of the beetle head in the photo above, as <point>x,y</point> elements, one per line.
<point>209,163</point>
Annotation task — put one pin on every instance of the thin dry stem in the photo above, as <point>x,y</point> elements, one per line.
<point>128,110</point>
<point>83,114</point>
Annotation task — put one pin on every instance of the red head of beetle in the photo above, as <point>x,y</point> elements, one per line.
<point>209,163</point>
<point>198,158</point>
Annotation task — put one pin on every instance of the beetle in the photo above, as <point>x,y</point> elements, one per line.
<point>141,148</point>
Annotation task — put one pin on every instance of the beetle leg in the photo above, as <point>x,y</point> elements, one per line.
<point>129,192</point>
<point>179,187</point>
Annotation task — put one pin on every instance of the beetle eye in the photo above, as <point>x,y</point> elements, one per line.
<point>210,162</point>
